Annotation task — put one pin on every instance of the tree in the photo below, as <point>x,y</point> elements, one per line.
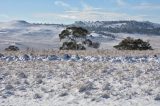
<point>75,38</point>
<point>72,46</point>
<point>73,33</point>
<point>133,44</point>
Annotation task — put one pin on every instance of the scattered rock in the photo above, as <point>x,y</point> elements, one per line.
<point>25,58</point>
<point>9,87</point>
<point>9,58</point>
<point>63,94</point>
<point>75,57</point>
<point>37,96</point>
<point>157,97</point>
<point>26,82</point>
<point>52,57</point>
<point>22,88</point>
<point>86,87</point>
<point>39,81</point>
<point>8,94</point>
<point>17,82</point>
<point>40,76</point>
<point>107,87</point>
<point>96,99</point>
<point>66,57</point>
<point>105,96</point>
<point>22,75</point>
<point>1,55</point>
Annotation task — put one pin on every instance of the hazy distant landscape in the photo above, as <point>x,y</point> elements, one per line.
<point>46,36</point>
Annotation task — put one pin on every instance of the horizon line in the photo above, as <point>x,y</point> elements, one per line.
<point>32,22</point>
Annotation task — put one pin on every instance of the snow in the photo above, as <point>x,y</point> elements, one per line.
<point>77,58</point>
<point>97,24</point>
<point>79,83</point>
<point>115,25</point>
<point>95,35</point>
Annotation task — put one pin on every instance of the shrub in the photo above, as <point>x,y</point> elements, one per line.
<point>74,31</point>
<point>12,48</point>
<point>133,44</point>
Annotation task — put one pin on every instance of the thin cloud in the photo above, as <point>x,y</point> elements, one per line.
<point>61,3</point>
<point>4,16</point>
<point>149,6</point>
<point>90,15</point>
<point>121,2</point>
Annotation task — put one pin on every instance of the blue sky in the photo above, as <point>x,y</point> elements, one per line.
<point>68,11</point>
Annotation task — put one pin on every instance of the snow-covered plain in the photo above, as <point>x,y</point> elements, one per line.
<point>72,80</point>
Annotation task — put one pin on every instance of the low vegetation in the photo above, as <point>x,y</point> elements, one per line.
<point>12,48</point>
<point>133,44</point>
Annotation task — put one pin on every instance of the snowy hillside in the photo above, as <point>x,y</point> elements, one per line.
<point>131,27</point>
<point>24,35</point>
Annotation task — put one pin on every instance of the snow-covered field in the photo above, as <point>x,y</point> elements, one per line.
<point>79,80</point>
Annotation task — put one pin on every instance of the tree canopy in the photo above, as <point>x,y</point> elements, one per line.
<point>73,32</point>
<point>76,39</point>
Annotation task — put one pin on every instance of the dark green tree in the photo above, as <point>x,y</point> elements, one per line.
<point>133,44</point>
<point>75,38</point>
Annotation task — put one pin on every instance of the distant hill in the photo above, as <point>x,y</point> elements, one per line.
<point>131,27</point>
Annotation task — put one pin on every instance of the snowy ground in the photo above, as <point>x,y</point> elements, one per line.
<point>70,80</point>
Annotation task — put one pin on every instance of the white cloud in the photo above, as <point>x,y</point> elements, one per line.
<point>65,5</point>
<point>146,5</point>
<point>61,3</point>
<point>89,15</point>
<point>121,2</point>
<point>4,16</point>
<point>88,7</point>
